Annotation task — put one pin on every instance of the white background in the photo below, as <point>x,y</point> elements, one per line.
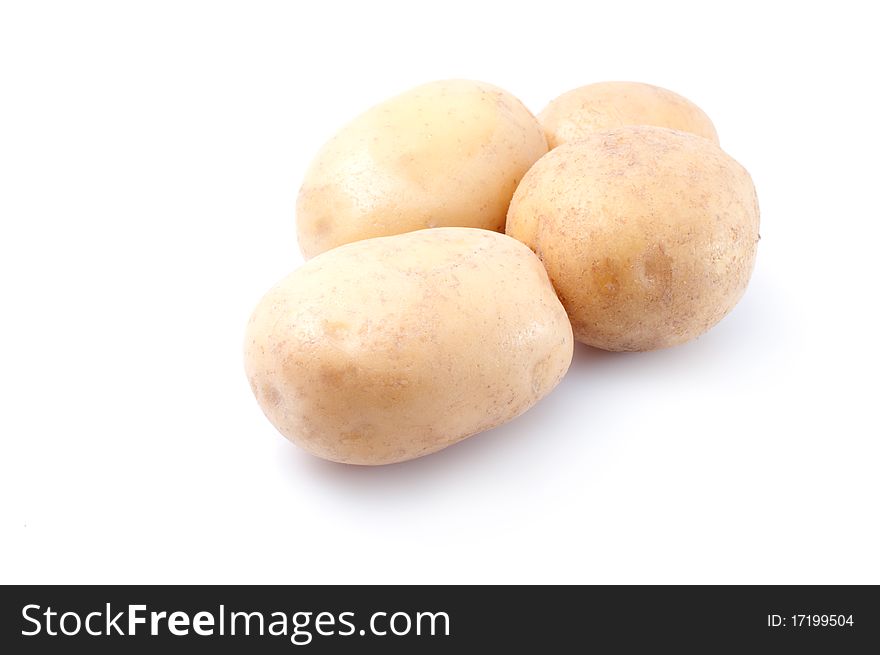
<point>150,155</point>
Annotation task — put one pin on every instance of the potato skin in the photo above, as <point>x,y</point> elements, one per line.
<point>392,348</point>
<point>446,153</point>
<point>648,234</point>
<point>609,105</point>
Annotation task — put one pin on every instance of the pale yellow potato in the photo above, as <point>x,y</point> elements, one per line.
<point>648,234</point>
<point>395,347</point>
<point>608,105</point>
<point>443,154</point>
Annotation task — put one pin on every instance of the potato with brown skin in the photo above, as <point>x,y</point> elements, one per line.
<point>648,234</point>
<point>608,105</point>
<point>447,153</point>
<point>392,348</point>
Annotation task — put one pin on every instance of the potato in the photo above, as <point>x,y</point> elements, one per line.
<point>395,347</point>
<point>648,234</point>
<point>607,105</point>
<point>442,154</point>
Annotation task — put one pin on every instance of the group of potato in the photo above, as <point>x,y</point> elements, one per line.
<point>634,232</point>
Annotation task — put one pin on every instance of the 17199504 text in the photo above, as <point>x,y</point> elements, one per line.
<point>810,621</point>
